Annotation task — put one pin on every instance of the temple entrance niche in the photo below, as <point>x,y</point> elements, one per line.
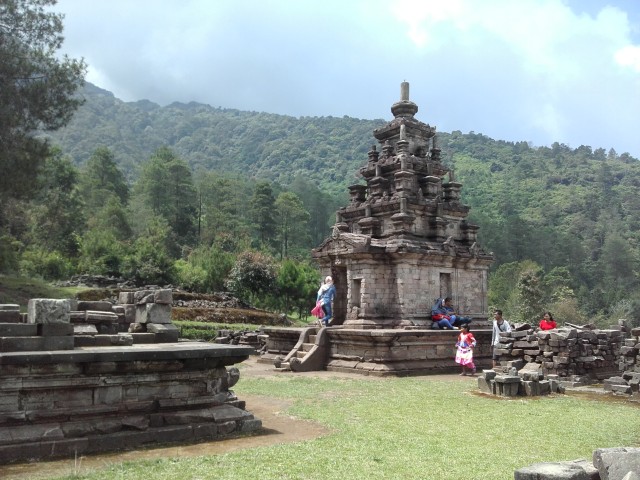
<point>404,239</point>
<point>339,275</point>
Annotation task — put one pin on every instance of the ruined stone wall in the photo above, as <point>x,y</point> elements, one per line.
<point>565,351</point>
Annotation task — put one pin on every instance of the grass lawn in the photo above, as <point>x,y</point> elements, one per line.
<point>407,428</point>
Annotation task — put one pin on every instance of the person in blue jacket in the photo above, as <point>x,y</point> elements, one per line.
<point>326,294</point>
<point>455,319</point>
<point>440,316</point>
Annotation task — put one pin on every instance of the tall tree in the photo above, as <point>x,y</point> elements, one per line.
<point>36,90</point>
<point>101,178</point>
<point>166,186</point>
<point>263,212</point>
<point>292,222</point>
<point>57,220</point>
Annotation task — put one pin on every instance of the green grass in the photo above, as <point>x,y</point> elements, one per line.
<point>20,289</point>
<point>406,428</point>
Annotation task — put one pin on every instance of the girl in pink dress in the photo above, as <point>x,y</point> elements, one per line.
<point>464,355</point>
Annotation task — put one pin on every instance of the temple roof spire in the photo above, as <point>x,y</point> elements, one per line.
<point>405,107</point>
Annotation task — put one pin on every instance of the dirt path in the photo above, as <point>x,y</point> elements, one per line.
<point>278,427</point>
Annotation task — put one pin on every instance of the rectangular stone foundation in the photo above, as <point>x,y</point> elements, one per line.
<point>400,352</point>
<point>93,399</point>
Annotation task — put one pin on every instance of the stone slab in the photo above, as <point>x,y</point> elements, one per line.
<point>48,310</point>
<point>100,305</point>
<point>18,329</point>
<point>142,352</point>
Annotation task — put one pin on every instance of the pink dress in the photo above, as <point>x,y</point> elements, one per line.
<point>464,354</point>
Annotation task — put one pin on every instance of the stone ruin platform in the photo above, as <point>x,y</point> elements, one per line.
<point>65,392</point>
<point>100,399</point>
<point>379,352</point>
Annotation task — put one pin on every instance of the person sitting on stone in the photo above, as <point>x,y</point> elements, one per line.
<point>455,319</point>
<point>439,316</point>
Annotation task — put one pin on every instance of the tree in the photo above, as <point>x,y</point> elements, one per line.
<point>292,222</point>
<point>57,218</point>
<point>263,212</point>
<point>166,186</point>
<point>101,179</point>
<point>253,276</point>
<point>36,90</point>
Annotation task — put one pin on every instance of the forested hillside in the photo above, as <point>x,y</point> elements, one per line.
<point>212,198</point>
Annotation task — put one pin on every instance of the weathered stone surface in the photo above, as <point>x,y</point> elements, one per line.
<point>47,310</point>
<point>113,397</point>
<point>126,298</point>
<point>163,296</point>
<point>84,329</point>
<point>10,316</point>
<point>18,329</point>
<point>9,307</point>
<point>615,463</point>
<point>55,329</point>
<point>100,306</point>
<point>153,313</point>
<point>576,470</point>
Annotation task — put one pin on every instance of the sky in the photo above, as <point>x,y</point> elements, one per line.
<point>540,71</point>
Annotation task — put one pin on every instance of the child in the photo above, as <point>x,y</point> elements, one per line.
<point>464,355</point>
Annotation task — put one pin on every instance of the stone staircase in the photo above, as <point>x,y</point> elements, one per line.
<point>309,354</point>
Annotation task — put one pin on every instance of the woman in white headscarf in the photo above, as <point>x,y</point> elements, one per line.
<point>326,293</point>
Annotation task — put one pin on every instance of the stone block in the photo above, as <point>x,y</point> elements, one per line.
<point>163,296</point>
<point>18,330</point>
<point>531,388</point>
<point>84,341</point>
<point>100,306</point>
<point>125,298</point>
<point>615,463</point>
<point>55,329</point>
<point>97,316</point>
<point>142,296</point>
<point>9,307</point>
<point>484,385</point>
<point>153,313</point>
<point>58,342</point>
<point>129,313</point>
<point>576,470</point>
<point>10,316</point>
<point>84,329</point>
<point>48,310</point>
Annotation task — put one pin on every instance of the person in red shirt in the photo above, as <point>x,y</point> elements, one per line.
<point>547,322</point>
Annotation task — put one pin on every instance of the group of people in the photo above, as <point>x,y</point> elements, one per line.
<point>443,316</point>
<point>466,342</point>
<point>324,298</point>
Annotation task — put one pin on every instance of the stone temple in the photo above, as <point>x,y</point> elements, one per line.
<point>402,242</point>
<point>404,239</point>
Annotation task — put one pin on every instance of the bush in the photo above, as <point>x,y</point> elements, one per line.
<point>53,265</point>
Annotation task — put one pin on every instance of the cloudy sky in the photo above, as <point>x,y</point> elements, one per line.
<point>534,70</point>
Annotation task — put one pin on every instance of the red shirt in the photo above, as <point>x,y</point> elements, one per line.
<point>547,324</point>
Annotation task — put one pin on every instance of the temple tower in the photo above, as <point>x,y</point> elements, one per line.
<point>404,240</point>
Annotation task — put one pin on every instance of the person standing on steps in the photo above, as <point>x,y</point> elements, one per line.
<point>326,294</point>
<point>499,325</point>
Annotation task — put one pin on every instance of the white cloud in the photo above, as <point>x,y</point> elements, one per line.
<point>629,56</point>
<point>532,70</point>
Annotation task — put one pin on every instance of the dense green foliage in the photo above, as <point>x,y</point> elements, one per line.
<point>36,91</point>
<point>178,193</point>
